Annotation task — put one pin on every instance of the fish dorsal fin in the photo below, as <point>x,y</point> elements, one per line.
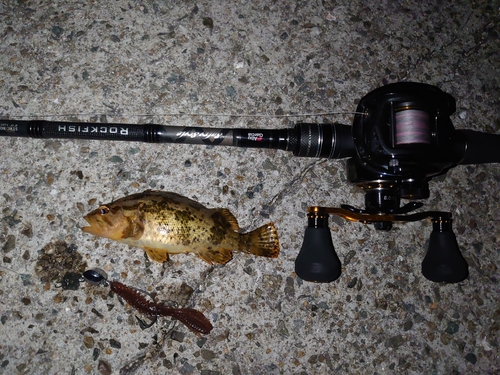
<point>181,199</point>
<point>157,255</point>
<point>223,216</point>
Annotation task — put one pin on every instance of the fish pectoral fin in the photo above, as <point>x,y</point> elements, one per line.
<point>134,230</point>
<point>158,255</point>
<point>137,230</point>
<point>219,256</point>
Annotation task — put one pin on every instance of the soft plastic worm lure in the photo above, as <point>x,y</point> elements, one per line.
<point>193,319</point>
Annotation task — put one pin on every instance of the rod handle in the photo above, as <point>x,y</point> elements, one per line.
<point>480,147</point>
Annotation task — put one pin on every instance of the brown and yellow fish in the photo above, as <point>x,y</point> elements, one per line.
<point>165,223</point>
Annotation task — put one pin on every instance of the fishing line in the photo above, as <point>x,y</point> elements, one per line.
<point>187,114</point>
<point>8,269</point>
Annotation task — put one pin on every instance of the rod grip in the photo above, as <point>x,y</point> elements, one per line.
<point>333,141</point>
<point>480,147</point>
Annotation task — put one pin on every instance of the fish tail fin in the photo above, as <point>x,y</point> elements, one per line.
<point>262,241</point>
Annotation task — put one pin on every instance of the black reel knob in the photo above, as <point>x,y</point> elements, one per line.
<point>317,260</point>
<point>444,261</point>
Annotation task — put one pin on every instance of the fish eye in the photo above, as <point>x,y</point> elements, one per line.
<point>103,210</point>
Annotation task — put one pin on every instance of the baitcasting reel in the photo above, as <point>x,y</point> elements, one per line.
<point>403,137</point>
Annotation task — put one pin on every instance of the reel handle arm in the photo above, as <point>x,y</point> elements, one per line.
<point>369,218</point>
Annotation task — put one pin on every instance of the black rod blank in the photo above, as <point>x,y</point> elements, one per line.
<point>304,139</point>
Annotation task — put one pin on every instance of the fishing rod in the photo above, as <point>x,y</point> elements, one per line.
<point>314,140</point>
<point>401,137</point>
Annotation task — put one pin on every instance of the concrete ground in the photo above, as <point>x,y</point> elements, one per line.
<point>146,61</point>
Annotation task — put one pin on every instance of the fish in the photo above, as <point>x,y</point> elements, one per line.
<point>164,223</point>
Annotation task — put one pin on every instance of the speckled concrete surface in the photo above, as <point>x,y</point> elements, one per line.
<point>118,61</point>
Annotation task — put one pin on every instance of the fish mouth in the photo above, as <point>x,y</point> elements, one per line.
<point>87,229</point>
<point>92,228</point>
